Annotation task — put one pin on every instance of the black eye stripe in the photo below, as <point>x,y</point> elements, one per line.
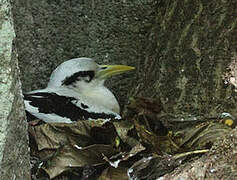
<point>76,76</point>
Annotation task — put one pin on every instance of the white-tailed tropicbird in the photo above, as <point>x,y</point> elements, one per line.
<point>76,91</point>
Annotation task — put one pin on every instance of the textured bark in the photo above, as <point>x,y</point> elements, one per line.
<point>191,45</point>
<point>219,163</point>
<point>181,49</point>
<point>14,151</point>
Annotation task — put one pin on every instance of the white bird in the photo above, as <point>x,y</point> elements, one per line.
<point>76,91</point>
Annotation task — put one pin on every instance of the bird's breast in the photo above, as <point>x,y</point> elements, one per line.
<point>102,97</point>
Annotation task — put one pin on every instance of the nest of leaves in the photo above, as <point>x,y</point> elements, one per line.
<point>146,144</point>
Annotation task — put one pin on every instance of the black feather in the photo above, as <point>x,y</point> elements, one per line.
<point>49,103</point>
<point>76,77</point>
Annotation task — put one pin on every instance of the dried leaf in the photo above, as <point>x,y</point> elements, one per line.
<point>124,156</point>
<point>114,173</point>
<point>152,167</point>
<point>73,156</point>
<point>82,133</point>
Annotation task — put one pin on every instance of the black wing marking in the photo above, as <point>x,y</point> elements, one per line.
<point>49,103</point>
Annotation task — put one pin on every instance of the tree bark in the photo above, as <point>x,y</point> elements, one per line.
<point>190,47</point>
<point>181,49</point>
<point>14,150</point>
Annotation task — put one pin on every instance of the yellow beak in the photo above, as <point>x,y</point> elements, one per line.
<point>111,70</point>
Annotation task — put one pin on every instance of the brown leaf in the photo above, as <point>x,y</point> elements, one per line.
<point>54,135</point>
<point>114,173</point>
<point>73,156</point>
<point>115,160</point>
<point>154,166</point>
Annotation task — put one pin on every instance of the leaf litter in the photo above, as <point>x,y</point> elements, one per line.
<point>146,144</point>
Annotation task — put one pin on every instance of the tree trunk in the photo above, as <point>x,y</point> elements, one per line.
<point>183,51</point>
<point>14,150</point>
<point>187,53</point>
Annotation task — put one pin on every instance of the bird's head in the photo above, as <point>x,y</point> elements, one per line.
<point>83,73</point>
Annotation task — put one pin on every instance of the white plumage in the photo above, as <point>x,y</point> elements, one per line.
<point>76,91</point>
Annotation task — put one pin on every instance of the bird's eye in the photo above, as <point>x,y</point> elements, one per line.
<point>87,78</point>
